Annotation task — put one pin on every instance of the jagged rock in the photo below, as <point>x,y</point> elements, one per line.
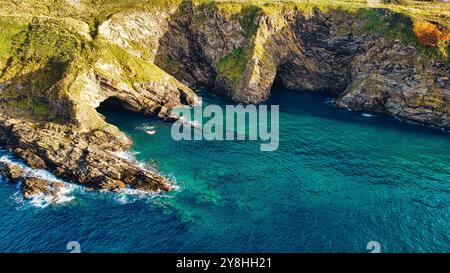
<point>148,59</point>
<point>31,186</point>
<point>316,51</point>
<point>34,186</point>
<point>10,171</point>
<point>31,159</point>
<point>90,160</point>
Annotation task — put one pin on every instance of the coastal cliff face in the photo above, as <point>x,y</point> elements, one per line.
<point>242,54</point>
<point>240,51</point>
<point>148,57</point>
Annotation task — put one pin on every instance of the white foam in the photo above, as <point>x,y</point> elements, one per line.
<point>130,157</point>
<point>198,101</point>
<point>130,195</point>
<point>147,128</point>
<point>64,195</point>
<point>367,115</point>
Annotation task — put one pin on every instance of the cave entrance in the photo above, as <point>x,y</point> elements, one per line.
<point>277,83</point>
<point>113,105</point>
<point>286,80</point>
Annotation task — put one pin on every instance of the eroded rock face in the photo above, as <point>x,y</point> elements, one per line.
<point>204,45</point>
<point>82,147</point>
<point>149,59</point>
<point>10,171</point>
<point>150,98</point>
<point>387,80</point>
<point>31,186</point>
<point>90,159</point>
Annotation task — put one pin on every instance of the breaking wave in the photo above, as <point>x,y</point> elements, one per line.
<point>64,195</point>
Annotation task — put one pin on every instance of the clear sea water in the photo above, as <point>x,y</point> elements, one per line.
<point>338,180</point>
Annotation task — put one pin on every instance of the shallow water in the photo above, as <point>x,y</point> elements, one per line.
<point>338,180</point>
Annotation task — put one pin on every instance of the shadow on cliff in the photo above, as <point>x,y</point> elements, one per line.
<point>180,52</point>
<point>319,104</point>
<point>304,56</point>
<point>113,105</point>
<point>37,93</point>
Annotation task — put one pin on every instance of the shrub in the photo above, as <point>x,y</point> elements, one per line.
<point>429,34</point>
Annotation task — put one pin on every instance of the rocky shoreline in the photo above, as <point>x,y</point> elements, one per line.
<point>31,186</point>
<point>148,59</point>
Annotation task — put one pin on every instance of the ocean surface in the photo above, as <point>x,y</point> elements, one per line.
<point>339,180</point>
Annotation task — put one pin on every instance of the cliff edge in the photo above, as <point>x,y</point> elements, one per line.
<point>60,61</point>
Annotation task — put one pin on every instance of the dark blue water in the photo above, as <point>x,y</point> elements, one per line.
<point>337,181</point>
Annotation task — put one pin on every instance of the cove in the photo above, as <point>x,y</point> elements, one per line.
<point>238,122</point>
<point>338,181</point>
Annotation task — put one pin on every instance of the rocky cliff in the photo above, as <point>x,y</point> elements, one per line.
<point>58,69</point>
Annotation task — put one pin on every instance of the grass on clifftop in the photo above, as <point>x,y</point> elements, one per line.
<point>133,68</point>
<point>12,33</point>
<point>88,10</point>
<point>37,57</point>
<point>392,19</point>
<point>430,41</point>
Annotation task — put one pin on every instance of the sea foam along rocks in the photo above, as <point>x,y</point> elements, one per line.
<point>31,186</point>
<point>10,171</point>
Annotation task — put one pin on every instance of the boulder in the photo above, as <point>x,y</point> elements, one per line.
<point>11,171</point>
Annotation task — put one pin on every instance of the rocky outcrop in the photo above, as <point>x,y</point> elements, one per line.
<point>148,57</point>
<point>387,80</point>
<point>89,158</point>
<point>240,52</point>
<point>31,186</point>
<point>73,141</point>
<point>10,171</point>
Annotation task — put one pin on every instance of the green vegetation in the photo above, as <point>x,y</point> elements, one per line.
<point>394,25</point>
<point>247,20</point>
<point>167,64</point>
<point>36,109</point>
<point>45,44</point>
<point>372,85</point>
<point>133,69</point>
<point>232,66</point>
<point>39,54</point>
<point>431,100</point>
<point>244,13</point>
<point>11,34</point>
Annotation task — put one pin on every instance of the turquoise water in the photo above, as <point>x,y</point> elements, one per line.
<point>337,181</point>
